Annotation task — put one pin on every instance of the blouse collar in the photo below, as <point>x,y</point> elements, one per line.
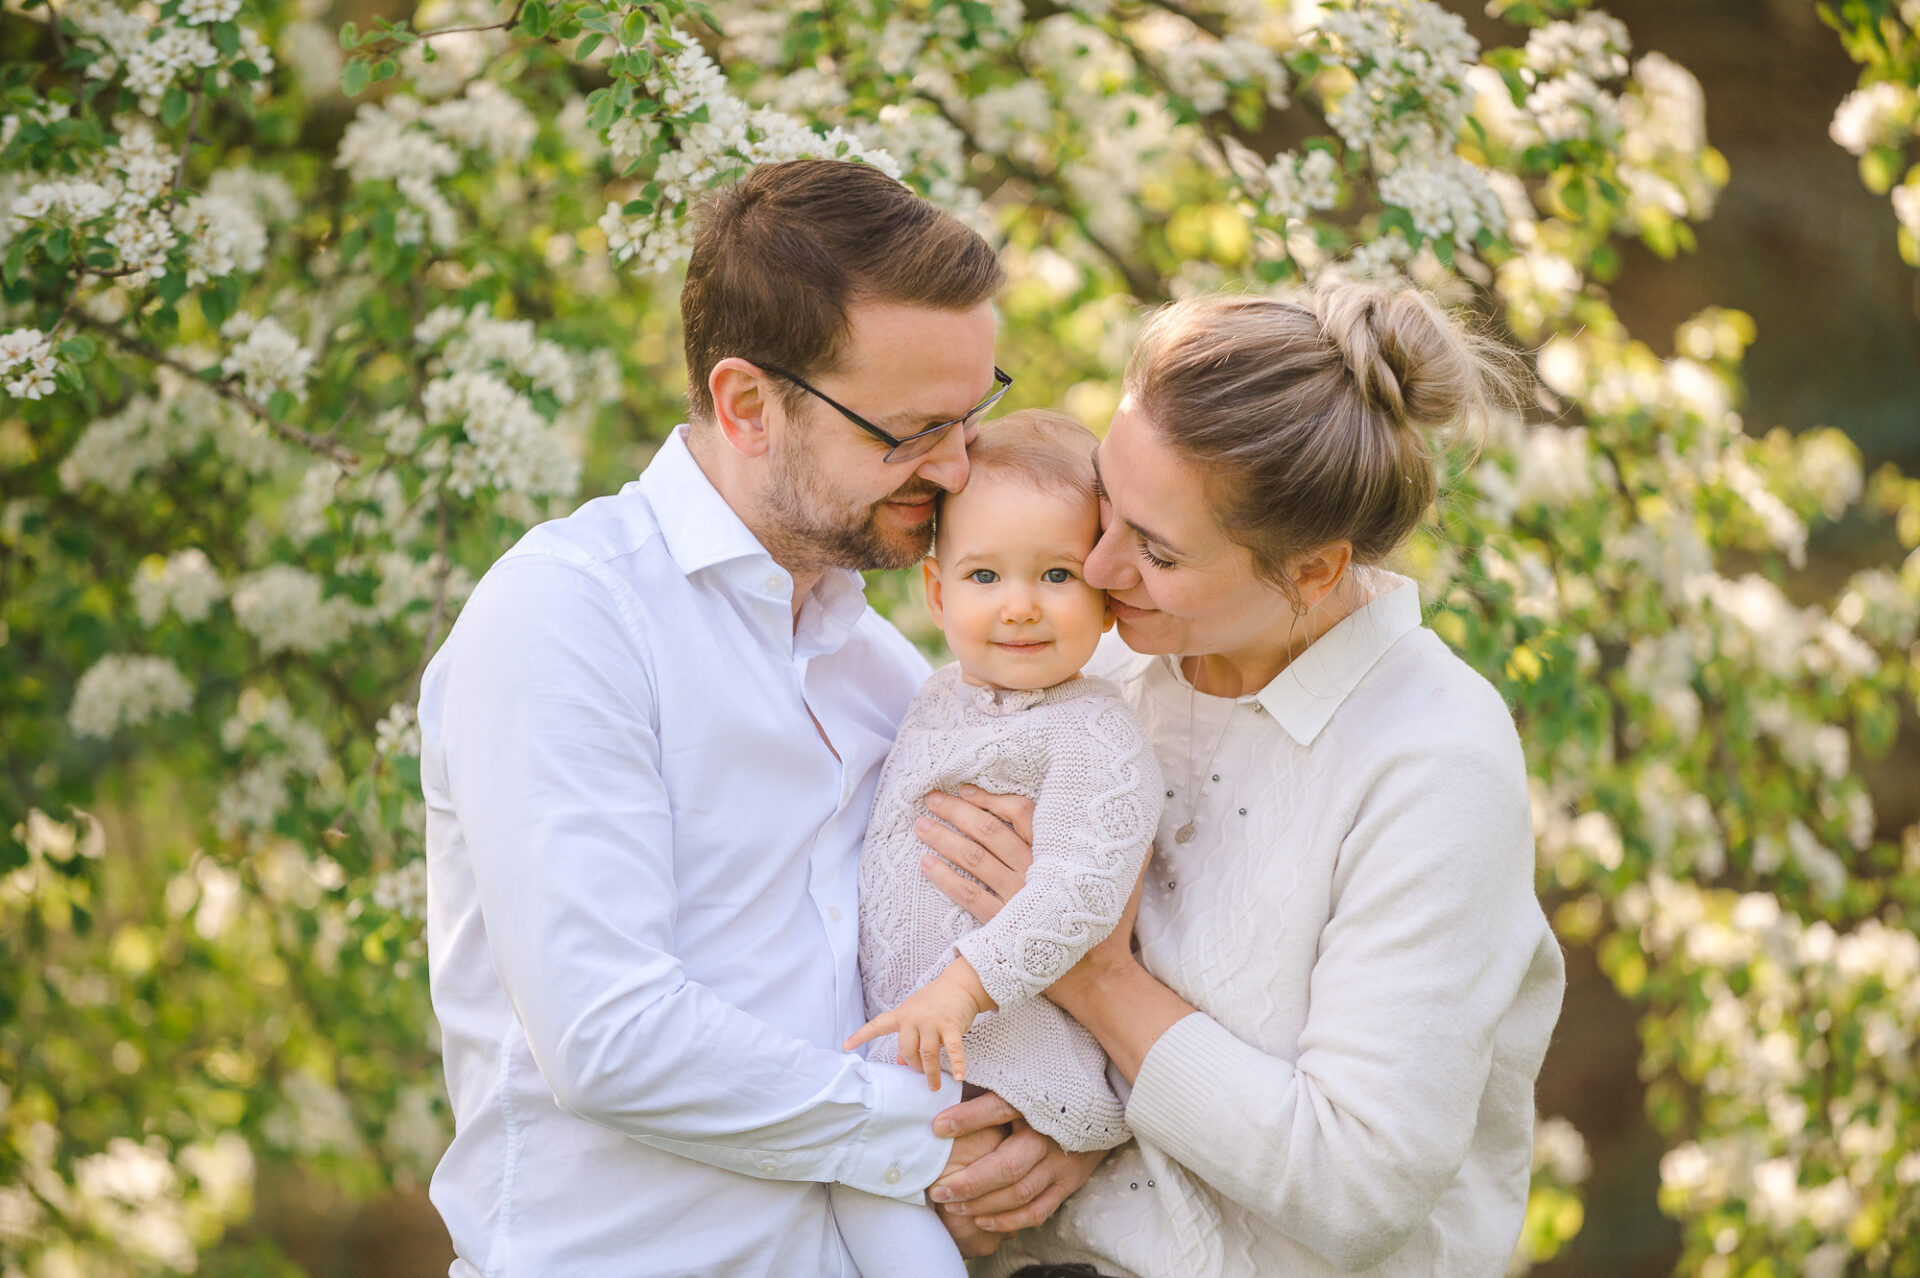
<point>1303,697</point>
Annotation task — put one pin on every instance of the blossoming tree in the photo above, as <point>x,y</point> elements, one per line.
<point>302,327</point>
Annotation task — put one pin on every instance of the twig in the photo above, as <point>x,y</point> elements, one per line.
<point>1146,286</point>
<point>492,26</point>
<point>225,389</point>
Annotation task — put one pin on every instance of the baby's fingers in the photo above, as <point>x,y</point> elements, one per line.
<point>922,1050</point>
<point>956,1052</point>
<point>885,1023</point>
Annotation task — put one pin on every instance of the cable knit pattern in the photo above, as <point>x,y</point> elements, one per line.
<point>1077,750</point>
<point>1356,922</point>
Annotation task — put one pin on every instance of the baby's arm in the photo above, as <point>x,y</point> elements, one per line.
<point>1093,825</point>
<point>934,1016</point>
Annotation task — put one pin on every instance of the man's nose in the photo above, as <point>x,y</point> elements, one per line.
<point>945,465</point>
<point>1108,567</point>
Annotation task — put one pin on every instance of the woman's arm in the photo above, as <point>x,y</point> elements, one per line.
<point>1435,938</point>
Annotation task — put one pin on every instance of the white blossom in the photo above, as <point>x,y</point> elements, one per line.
<point>185,584</point>
<point>27,363</point>
<point>1593,45</point>
<point>403,890</point>
<point>1879,115</point>
<point>266,357</point>
<point>223,236</point>
<point>508,444</point>
<point>1444,194</point>
<point>1303,184</point>
<point>398,732</point>
<point>122,691</point>
<point>199,12</point>
<point>282,606</point>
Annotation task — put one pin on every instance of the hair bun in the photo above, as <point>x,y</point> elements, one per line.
<point>1412,363</point>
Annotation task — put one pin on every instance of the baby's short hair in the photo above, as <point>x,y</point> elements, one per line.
<point>1042,448</point>
<point>1046,449</point>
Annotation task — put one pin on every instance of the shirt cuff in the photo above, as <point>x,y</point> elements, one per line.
<point>897,1155</point>
<point>1176,1094</point>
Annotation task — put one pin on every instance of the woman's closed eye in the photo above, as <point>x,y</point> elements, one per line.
<point>984,576</point>
<point>1147,554</point>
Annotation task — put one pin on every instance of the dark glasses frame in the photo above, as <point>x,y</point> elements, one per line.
<point>918,444</point>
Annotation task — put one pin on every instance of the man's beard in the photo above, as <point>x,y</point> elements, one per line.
<point>805,531</point>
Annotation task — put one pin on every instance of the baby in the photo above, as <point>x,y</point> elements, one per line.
<point>1012,715</point>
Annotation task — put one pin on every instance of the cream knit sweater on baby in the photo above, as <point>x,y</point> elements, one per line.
<point>1077,750</point>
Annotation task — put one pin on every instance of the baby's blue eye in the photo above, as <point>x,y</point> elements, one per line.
<point>985,576</point>
<point>1056,576</point>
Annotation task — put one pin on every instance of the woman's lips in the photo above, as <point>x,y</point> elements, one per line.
<point>1127,611</point>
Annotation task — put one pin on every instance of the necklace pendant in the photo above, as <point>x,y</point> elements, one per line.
<point>1184,834</point>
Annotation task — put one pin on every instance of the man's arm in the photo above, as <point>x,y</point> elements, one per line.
<point>553,766</point>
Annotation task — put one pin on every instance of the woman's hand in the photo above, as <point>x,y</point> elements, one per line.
<point>1021,1183</point>
<point>991,838</point>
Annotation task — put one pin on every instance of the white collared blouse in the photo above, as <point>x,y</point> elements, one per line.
<point>642,877</point>
<point>1354,917</point>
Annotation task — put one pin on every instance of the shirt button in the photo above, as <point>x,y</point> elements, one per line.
<point>833,912</point>
<point>769,1167</point>
<point>774,583</point>
<point>893,1176</point>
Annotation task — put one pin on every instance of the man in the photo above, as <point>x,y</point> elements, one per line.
<point>650,744</point>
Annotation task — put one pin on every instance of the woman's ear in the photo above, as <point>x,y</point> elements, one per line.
<point>1317,572</point>
<point>741,396</point>
<point>930,577</point>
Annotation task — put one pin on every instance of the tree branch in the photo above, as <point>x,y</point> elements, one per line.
<point>225,389</point>
<point>1144,284</point>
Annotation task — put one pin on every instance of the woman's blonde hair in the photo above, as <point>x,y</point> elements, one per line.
<point>1317,422</point>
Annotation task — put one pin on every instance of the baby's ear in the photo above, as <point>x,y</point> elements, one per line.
<point>1106,611</point>
<point>930,576</point>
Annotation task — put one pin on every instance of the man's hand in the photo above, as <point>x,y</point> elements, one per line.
<point>1020,1183</point>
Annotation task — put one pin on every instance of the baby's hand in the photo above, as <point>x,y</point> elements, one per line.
<point>933,1017</point>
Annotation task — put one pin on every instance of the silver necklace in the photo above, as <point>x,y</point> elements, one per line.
<point>1184,834</point>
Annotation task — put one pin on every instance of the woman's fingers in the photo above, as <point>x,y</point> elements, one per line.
<point>1015,810</point>
<point>1000,840</point>
<point>960,889</point>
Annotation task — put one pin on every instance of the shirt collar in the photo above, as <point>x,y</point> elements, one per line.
<point>700,529</point>
<point>1303,697</point>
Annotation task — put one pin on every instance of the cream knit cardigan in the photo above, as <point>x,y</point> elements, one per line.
<point>1376,984</point>
<point>1078,752</point>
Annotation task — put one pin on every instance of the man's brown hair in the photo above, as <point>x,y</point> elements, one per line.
<point>780,254</point>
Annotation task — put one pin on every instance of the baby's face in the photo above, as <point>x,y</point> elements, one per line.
<point>1007,586</point>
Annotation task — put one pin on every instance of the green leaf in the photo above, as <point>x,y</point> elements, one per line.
<point>385,69</point>
<point>226,38</point>
<point>173,107</point>
<point>536,19</point>
<point>78,349</point>
<point>588,45</point>
<point>353,77</point>
<point>280,403</point>
<point>245,70</point>
<point>60,244</point>
<point>349,36</point>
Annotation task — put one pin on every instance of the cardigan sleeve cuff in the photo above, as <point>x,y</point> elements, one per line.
<point>1184,1083</point>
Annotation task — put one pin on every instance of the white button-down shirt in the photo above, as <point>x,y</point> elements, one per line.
<point>641,916</point>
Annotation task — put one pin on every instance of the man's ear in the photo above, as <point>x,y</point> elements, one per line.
<point>930,577</point>
<point>742,395</point>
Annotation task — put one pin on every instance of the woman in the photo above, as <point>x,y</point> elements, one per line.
<point>1344,984</point>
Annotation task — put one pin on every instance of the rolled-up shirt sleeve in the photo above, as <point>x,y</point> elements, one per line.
<point>553,769</point>
<point>1435,932</point>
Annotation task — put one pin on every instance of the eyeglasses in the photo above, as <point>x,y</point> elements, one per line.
<point>920,443</point>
